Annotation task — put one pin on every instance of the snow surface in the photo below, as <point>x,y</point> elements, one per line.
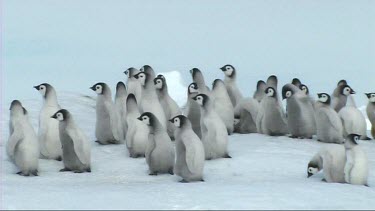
<point>264,173</point>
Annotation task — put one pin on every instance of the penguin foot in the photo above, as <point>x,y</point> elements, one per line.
<point>59,158</point>
<point>22,174</point>
<point>153,174</point>
<point>78,171</point>
<point>35,173</point>
<point>202,180</point>
<point>324,180</point>
<point>184,181</point>
<point>88,170</point>
<point>227,156</point>
<point>291,136</point>
<point>65,169</point>
<point>171,172</point>
<point>19,173</point>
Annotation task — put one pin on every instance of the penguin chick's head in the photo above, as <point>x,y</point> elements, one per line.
<point>120,86</point>
<point>304,88</point>
<point>61,115</point>
<point>194,72</point>
<point>324,98</point>
<point>342,83</point>
<point>99,88</point>
<point>141,77</point>
<point>16,106</point>
<point>371,97</point>
<point>179,121</point>
<point>130,72</point>
<point>312,168</point>
<point>346,90</point>
<point>43,89</point>
<point>296,82</point>
<point>148,118</point>
<point>270,92</point>
<point>193,88</point>
<point>159,82</point>
<point>287,91</point>
<point>217,83</point>
<point>352,139</point>
<point>201,99</point>
<point>228,70</point>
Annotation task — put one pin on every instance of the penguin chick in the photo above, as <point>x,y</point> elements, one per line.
<point>134,87</point>
<point>76,146</point>
<point>223,105</point>
<point>328,122</point>
<point>301,119</point>
<point>370,110</point>
<point>331,159</point>
<point>150,101</point>
<point>214,133</point>
<point>120,104</point>
<point>137,135</point>
<point>193,111</point>
<point>149,71</point>
<point>160,154</point>
<point>260,90</point>
<point>108,124</point>
<point>170,106</point>
<point>340,96</point>
<point>189,151</point>
<point>356,167</point>
<point>271,119</point>
<point>231,84</point>
<point>245,114</point>
<point>353,122</point>
<point>22,146</point>
<point>48,134</point>
<point>198,78</point>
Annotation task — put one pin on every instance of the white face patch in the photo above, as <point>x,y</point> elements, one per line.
<point>159,84</point>
<point>127,73</point>
<point>312,170</point>
<point>98,89</point>
<point>356,138</point>
<point>60,116</point>
<point>177,122</point>
<point>236,121</point>
<point>323,98</point>
<point>142,69</point>
<point>288,94</point>
<point>304,89</point>
<point>199,100</point>
<point>228,71</point>
<point>346,91</point>
<point>192,89</point>
<point>372,98</point>
<point>270,92</point>
<point>142,78</point>
<point>146,120</point>
<point>42,90</point>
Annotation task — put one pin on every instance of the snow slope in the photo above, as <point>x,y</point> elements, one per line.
<point>264,173</point>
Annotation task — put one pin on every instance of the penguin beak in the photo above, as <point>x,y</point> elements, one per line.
<point>92,88</point>
<point>54,116</point>
<point>36,87</point>
<point>309,174</point>
<point>194,98</point>
<point>171,120</point>
<point>222,69</point>
<point>139,118</point>
<point>352,92</point>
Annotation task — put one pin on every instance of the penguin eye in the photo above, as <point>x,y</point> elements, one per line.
<point>97,87</point>
<point>356,138</point>
<point>175,120</point>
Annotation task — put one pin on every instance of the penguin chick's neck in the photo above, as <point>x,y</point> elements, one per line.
<point>132,107</point>
<point>51,99</point>
<point>156,126</point>
<point>231,78</point>
<point>198,78</point>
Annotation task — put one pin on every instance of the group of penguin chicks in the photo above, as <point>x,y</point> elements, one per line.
<point>148,120</point>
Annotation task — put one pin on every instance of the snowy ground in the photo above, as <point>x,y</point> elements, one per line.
<point>264,173</point>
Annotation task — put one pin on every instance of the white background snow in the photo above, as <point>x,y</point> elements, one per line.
<point>74,44</point>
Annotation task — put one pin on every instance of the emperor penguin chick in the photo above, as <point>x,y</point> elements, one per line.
<point>370,110</point>
<point>198,78</point>
<point>48,134</point>
<point>189,151</point>
<point>331,159</point>
<point>134,87</point>
<point>193,111</point>
<point>271,119</point>
<point>120,104</point>
<point>170,106</point>
<point>223,105</point>
<point>328,122</point>
<point>214,133</point>
<point>245,114</point>
<point>353,122</point>
<point>300,111</point>
<point>76,146</point>
<point>150,101</point>
<point>160,153</point>
<point>231,84</point>
<point>22,146</point>
<point>137,135</point>
<point>108,124</point>
<point>341,95</point>
<point>356,167</point>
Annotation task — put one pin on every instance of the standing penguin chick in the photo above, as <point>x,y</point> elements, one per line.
<point>76,146</point>
<point>193,111</point>
<point>108,125</point>
<point>160,154</point>
<point>48,134</point>
<point>150,101</point>
<point>260,90</point>
<point>370,110</point>
<point>340,96</point>
<point>271,119</point>
<point>214,133</point>
<point>353,122</point>
<point>356,167</point>
<point>22,145</point>
<point>190,151</point>
<point>137,135</point>
<point>331,159</point>
<point>328,122</point>
<point>170,106</point>
<point>245,115</point>
<point>300,111</point>
<point>198,78</point>
<point>120,104</point>
<point>134,87</point>
<point>223,105</point>
<point>231,84</point>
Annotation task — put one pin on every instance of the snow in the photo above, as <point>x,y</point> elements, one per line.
<point>264,173</point>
